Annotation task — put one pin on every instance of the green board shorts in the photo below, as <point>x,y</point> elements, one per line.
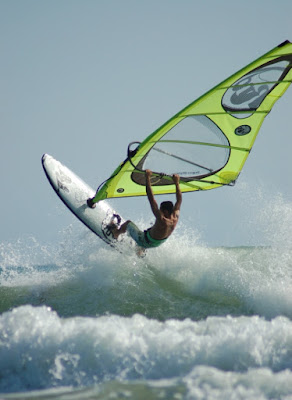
<point>143,238</point>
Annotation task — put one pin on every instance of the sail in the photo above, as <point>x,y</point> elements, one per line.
<point>208,142</point>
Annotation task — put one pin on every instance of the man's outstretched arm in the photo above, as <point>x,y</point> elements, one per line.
<point>152,201</point>
<point>177,205</point>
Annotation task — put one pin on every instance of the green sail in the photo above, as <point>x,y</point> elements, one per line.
<point>208,142</point>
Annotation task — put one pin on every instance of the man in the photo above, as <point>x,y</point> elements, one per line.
<point>166,219</point>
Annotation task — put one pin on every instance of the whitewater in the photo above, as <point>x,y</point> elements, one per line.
<point>79,320</point>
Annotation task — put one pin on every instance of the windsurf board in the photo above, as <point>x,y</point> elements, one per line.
<point>74,193</point>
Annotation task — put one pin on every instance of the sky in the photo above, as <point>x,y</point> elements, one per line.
<point>80,79</point>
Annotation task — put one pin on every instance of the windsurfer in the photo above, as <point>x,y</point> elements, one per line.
<point>166,218</point>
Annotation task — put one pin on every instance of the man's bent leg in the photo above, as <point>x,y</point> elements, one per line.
<point>122,229</point>
<point>136,235</point>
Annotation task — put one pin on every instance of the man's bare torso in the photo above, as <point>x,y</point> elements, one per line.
<point>164,226</point>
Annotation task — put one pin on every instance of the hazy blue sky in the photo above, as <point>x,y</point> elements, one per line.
<point>80,79</point>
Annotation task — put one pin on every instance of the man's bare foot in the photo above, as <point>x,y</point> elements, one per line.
<point>140,251</point>
<point>114,230</point>
<point>113,225</point>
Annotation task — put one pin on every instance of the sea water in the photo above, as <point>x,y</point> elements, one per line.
<point>81,321</point>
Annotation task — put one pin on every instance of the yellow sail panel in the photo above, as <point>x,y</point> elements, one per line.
<point>208,142</point>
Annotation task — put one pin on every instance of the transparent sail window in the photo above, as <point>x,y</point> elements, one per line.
<point>195,147</point>
<point>248,92</point>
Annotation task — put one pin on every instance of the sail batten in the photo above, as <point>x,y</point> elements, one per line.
<point>203,144</point>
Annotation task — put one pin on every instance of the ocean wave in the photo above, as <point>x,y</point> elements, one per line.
<point>40,350</point>
<point>82,276</point>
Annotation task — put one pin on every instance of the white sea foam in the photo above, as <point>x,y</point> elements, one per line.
<point>205,383</point>
<point>40,350</point>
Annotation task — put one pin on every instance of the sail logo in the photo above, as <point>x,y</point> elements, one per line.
<point>248,93</point>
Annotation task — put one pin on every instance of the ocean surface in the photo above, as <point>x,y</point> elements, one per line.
<point>79,320</point>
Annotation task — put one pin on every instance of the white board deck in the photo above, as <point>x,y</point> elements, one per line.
<point>74,192</point>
